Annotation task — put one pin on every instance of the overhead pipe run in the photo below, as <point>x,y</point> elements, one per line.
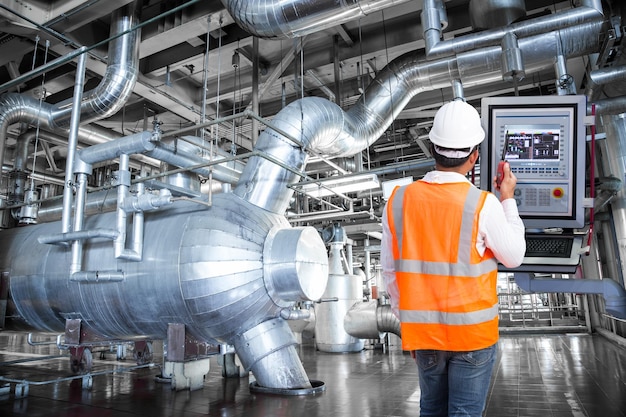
<point>438,48</point>
<point>321,126</point>
<point>486,14</point>
<point>596,80</point>
<point>294,18</point>
<point>108,97</point>
<point>609,106</point>
<point>603,76</point>
<point>105,100</point>
<point>102,201</point>
<point>180,158</point>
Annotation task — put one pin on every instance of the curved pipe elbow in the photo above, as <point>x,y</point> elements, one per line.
<point>16,107</point>
<point>119,77</point>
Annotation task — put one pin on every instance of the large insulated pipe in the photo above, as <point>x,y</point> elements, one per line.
<point>609,106</point>
<point>322,126</point>
<point>292,18</point>
<point>269,351</point>
<point>614,293</point>
<point>495,13</point>
<point>603,76</point>
<point>438,48</point>
<point>596,80</point>
<point>105,100</point>
<point>369,320</point>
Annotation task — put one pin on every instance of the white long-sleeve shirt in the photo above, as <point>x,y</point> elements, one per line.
<point>500,229</point>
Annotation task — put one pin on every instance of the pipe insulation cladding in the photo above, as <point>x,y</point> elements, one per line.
<point>222,270</point>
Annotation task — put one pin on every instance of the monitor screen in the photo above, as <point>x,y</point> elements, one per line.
<point>543,140</point>
<point>530,142</point>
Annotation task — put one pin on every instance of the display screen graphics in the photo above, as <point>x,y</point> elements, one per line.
<point>532,142</point>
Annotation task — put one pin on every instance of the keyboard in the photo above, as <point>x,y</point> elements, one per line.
<point>549,246</point>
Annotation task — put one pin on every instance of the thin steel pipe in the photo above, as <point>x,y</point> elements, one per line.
<point>72,143</point>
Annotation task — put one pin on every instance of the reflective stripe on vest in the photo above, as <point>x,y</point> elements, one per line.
<point>444,268</point>
<point>453,319</point>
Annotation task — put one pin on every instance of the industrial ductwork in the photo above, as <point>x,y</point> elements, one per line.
<point>488,14</point>
<point>105,100</point>
<point>596,81</point>
<point>437,48</point>
<point>322,126</point>
<point>292,18</point>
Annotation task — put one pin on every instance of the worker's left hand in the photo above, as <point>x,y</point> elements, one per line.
<point>508,183</point>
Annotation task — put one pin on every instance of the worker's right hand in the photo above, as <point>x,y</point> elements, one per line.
<point>507,184</point>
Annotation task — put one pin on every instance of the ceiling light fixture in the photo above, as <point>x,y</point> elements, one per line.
<point>339,185</point>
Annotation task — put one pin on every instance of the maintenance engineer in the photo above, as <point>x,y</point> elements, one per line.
<point>442,238</point>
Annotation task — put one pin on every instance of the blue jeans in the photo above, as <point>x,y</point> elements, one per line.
<point>454,384</point>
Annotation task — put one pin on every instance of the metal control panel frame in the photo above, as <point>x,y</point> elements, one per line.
<point>545,148</point>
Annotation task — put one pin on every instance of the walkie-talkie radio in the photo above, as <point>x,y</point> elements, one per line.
<point>500,170</point>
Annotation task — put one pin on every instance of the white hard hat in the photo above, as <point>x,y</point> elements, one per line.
<point>456,126</point>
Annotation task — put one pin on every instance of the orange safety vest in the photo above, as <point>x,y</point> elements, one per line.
<point>448,298</point>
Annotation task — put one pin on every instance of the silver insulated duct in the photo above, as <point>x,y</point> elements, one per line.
<point>487,14</point>
<point>103,101</point>
<point>369,320</point>
<point>292,18</point>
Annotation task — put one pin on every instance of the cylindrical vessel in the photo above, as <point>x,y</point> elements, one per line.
<point>221,270</point>
<point>330,335</point>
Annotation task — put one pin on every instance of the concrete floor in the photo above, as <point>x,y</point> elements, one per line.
<point>536,375</point>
